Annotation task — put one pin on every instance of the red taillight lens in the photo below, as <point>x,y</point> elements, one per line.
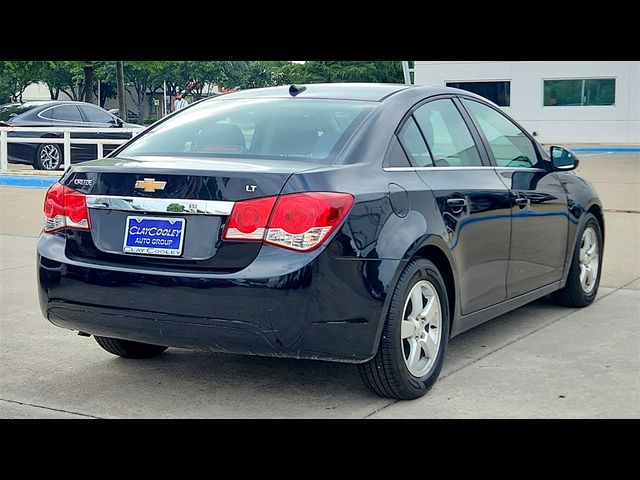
<point>300,221</point>
<point>249,219</point>
<point>65,208</point>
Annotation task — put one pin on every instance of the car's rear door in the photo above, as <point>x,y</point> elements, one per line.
<point>473,202</point>
<point>540,217</point>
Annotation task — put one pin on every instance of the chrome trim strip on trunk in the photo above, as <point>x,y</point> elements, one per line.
<point>160,205</point>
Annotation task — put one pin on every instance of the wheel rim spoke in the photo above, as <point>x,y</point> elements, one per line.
<point>428,312</point>
<point>416,302</point>
<point>429,347</point>
<point>407,329</point>
<point>414,355</point>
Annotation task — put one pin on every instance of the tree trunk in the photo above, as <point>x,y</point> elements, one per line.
<point>88,84</point>
<point>142,93</point>
<point>122,101</point>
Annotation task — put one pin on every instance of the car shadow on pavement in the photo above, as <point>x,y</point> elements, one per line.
<point>195,384</point>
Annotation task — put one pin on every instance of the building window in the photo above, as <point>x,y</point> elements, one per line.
<point>498,92</point>
<point>577,93</point>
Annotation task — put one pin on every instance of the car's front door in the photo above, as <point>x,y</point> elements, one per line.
<point>99,118</point>
<point>540,217</point>
<point>472,201</point>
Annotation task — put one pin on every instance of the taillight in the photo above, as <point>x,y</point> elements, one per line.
<point>249,219</point>
<point>299,221</point>
<point>65,208</point>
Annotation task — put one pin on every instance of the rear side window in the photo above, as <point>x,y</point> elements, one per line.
<point>510,146</point>
<point>253,128</point>
<point>69,113</point>
<point>414,145</point>
<point>447,134</point>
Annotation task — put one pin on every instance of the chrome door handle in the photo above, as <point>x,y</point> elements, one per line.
<point>521,200</point>
<point>457,204</point>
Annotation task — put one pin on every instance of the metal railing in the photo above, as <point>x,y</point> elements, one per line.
<point>66,140</point>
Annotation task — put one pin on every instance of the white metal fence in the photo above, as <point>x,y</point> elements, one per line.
<point>66,140</point>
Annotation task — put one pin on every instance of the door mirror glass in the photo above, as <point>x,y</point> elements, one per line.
<point>563,159</point>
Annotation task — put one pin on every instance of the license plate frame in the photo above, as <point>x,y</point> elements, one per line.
<point>146,245</point>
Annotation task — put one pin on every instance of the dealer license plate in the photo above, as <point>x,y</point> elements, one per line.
<point>154,236</point>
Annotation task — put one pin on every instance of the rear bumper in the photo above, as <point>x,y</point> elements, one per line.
<point>301,305</point>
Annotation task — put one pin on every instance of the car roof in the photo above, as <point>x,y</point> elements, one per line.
<point>48,103</point>
<point>373,92</point>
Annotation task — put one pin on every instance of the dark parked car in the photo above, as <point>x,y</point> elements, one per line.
<point>48,156</point>
<point>354,223</point>
<point>131,115</point>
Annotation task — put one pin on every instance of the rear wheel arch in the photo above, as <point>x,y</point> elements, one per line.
<point>440,259</point>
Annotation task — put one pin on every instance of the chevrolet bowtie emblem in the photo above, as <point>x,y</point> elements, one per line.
<point>150,185</point>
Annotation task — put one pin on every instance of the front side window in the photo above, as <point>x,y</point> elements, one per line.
<point>579,93</point>
<point>510,146</point>
<point>95,115</point>
<point>286,128</point>
<point>68,113</point>
<point>447,134</point>
<point>498,92</point>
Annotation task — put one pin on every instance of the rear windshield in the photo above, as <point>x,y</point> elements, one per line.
<point>255,128</point>
<point>7,112</point>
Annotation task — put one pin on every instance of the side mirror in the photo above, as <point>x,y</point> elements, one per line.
<point>117,122</point>
<point>563,159</point>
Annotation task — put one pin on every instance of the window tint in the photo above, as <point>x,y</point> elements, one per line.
<point>414,145</point>
<point>510,146</point>
<point>254,128</point>
<point>68,113</point>
<point>396,156</point>
<point>498,92</point>
<point>95,115</point>
<point>579,93</point>
<point>8,111</point>
<point>448,137</point>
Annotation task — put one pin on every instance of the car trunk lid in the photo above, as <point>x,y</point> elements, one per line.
<point>187,198</point>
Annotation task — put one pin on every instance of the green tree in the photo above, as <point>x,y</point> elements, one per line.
<point>354,71</point>
<point>57,76</point>
<point>141,76</point>
<point>175,207</point>
<point>17,76</point>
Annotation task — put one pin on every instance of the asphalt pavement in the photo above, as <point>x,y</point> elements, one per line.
<point>540,361</point>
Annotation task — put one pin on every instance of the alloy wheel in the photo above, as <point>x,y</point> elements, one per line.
<point>421,329</point>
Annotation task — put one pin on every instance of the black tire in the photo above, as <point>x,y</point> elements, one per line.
<point>573,294</point>
<point>128,348</point>
<point>387,373</point>
<point>55,153</point>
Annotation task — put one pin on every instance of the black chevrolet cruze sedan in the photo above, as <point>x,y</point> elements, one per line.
<point>356,223</point>
<point>60,114</point>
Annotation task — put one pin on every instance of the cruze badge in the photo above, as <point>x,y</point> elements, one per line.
<point>150,185</point>
<point>83,181</point>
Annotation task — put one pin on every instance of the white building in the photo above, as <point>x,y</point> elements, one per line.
<point>562,102</point>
